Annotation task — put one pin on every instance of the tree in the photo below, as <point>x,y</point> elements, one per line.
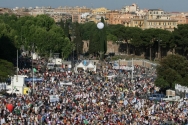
<point>103,38</point>
<point>78,40</point>
<point>67,48</point>
<point>6,69</point>
<point>180,39</point>
<point>62,24</point>
<point>93,42</point>
<point>7,45</point>
<point>87,29</point>
<point>172,69</point>
<point>66,29</point>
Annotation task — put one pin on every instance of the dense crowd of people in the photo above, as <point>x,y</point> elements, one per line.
<point>92,99</point>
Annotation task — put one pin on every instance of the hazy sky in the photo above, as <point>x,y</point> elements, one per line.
<point>166,5</point>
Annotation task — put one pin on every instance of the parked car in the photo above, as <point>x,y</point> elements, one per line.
<point>156,97</point>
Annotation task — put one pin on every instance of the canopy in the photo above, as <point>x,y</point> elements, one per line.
<point>80,65</point>
<point>90,66</point>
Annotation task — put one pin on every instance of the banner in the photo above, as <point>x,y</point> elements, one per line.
<point>123,67</point>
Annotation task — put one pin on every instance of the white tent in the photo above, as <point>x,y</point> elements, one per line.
<point>80,65</point>
<point>90,66</point>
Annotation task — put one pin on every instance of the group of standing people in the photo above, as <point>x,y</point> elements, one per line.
<point>93,99</point>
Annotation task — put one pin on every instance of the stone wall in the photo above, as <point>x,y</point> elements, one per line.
<point>143,63</point>
<point>111,47</point>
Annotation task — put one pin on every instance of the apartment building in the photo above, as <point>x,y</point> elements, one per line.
<point>101,10</point>
<point>5,10</point>
<point>115,17</point>
<point>130,9</point>
<point>95,18</point>
<point>59,17</point>
<point>182,18</point>
<point>76,18</point>
<point>155,18</point>
<point>72,10</point>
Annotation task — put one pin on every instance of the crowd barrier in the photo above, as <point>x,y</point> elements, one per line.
<point>143,63</point>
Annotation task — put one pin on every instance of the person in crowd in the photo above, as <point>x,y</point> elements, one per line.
<point>92,99</point>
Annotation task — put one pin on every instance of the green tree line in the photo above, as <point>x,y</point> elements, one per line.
<point>40,34</point>
<point>138,41</point>
<point>43,35</point>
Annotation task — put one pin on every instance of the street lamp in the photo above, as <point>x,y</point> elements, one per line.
<point>119,42</point>
<point>100,26</point>
<point>33,83</point>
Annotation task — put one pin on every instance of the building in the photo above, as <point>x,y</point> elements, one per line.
<point>130,9</point>
<point>72,10</point>
<point>141,12</point>
<point>76,18</point>
<point>182,18</point>
<point>5,10</point>
<point>155,18</point>
<point>94,18</point>
<point>59,17</point>
<point>101,10</point>
<point>153,14</point>
<point>115,17</point>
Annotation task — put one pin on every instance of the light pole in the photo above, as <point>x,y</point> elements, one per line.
<point>33,77</point>
<point>100,26</point>
<point>33,51</point>
<point>73,49</point>
<point>119,42</point>
<point>17,68</point>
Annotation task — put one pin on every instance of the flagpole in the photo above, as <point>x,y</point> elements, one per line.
<point>17,68</point>
<point>33,73</point>
<point>132,70</point>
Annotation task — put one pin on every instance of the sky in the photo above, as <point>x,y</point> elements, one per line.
<point>166,5</point>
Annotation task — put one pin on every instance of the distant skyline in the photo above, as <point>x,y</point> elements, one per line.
<point>166,5</point>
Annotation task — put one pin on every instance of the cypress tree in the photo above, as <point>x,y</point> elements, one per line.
<point>78,40</point>
<point>66,29</point>
<point>62,24</point>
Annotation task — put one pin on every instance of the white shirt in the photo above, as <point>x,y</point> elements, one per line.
<point>2,121</point>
